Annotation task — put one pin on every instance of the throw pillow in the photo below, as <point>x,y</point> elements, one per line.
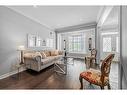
<point>43,55</point>
<point>38,54</point>
<point>54,53</point>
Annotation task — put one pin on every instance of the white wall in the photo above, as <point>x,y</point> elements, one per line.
<point>14,28</point>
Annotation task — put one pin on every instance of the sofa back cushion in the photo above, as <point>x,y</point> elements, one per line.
<point>54,53</point>
<point>60,52</point>
<point>47,53</point>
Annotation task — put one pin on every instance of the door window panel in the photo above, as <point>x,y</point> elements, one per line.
<point>107,44</point>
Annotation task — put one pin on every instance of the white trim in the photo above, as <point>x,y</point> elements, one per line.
<point>109,33</point>
<point>11,73</point>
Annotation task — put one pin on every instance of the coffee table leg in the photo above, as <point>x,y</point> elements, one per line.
<point>73,61</point>
<point>18,73</point>
<point>62,71</point>
<point>65,62</point>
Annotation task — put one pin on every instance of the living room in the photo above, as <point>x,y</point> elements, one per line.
<point>50,47</point>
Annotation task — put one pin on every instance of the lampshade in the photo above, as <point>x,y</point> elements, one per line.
<point>21,47</point>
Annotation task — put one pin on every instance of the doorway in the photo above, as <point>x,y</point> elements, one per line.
<point>109,42</point>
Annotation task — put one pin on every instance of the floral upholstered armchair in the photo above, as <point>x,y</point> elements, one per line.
<point>98,77</point>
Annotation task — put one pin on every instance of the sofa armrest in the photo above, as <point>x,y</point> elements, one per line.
<point>38,58</point>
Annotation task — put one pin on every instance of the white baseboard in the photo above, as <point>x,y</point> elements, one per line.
<point>11,73</point>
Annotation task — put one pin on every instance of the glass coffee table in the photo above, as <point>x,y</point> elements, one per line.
<point>60,66</point>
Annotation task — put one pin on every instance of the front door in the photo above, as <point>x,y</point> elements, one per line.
<point>109,43</point>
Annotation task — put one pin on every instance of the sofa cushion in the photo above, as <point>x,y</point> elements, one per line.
<point>54,53</point>
<point>48,59</point>
<point>58,57</point>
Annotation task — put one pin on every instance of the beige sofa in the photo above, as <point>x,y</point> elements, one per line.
<point>38,60</point>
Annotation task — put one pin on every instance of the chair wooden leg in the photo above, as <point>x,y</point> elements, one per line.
<point>90,63</point>
<point>81,82</point>
<point>85,60</point>
<point>95,61</point>
<point>102,87</point>
<point>109,87</point>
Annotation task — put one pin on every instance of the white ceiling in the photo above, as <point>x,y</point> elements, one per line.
<point>59,16</point>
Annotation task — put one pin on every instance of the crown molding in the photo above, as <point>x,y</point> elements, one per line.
<point>76,27</point>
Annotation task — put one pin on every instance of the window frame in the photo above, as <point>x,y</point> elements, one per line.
<point>75,43</point>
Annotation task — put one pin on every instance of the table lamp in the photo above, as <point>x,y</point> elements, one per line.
<point>21,48</point>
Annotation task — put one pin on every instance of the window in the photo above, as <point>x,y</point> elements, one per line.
<point>107,44</point>
<point>31,40</point>
<point>50,43</point>
<point>76,43</point>
<point>117,44</point>
<point>38,41</point>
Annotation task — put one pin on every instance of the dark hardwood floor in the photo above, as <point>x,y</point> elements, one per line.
<point>48,79</point>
